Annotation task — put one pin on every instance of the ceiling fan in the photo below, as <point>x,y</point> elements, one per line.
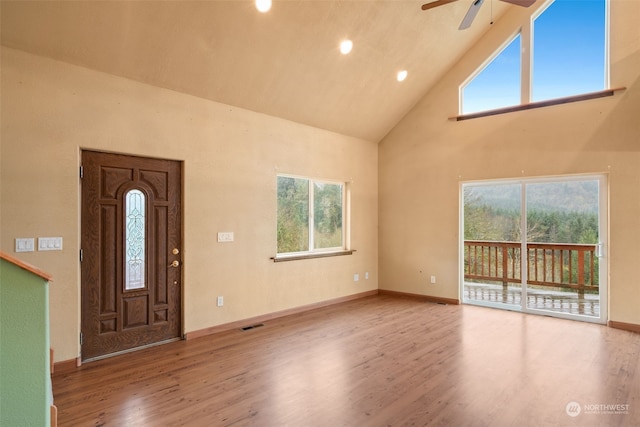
<point>473,10</point>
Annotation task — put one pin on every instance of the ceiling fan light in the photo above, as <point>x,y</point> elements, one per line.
<point>346,46</point>
<point>263,5</point>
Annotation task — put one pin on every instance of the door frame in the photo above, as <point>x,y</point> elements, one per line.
<point>181,276</point>
<point>603,237</point>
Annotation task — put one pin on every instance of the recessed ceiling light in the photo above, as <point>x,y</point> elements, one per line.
<point>402,75</point>
<point>263,5</point>
<point>346,46</point>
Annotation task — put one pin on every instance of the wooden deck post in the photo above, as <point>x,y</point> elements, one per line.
<point>505,268</point>
<point>581,274</point>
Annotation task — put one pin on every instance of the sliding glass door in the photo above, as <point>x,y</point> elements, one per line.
<point>557,266</point>
<point>491,244</point>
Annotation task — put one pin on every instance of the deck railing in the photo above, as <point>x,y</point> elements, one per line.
<point>557,265</point>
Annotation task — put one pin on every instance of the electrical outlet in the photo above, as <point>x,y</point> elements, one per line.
<point>433,280</point>
<point>366,276</point>
<point>356,277</point>
<point>220,301</point>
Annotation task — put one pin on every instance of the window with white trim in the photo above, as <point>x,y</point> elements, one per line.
<point>311,216</point>
<point>569,49</point>
<point>498,83</point>
<point>566,47</point>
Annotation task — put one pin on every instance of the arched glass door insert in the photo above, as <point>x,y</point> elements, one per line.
<point>135,240</point>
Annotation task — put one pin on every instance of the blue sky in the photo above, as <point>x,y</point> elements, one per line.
<point>568,59</point>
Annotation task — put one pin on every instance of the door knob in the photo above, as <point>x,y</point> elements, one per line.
<point>175,264</point>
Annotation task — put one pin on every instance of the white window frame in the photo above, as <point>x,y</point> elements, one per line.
<point>526,33</point>
<point>488,62</point>
<point>320,252</point>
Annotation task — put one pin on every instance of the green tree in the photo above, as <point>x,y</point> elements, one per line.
<point>293,214</point>
<point>327,215</point>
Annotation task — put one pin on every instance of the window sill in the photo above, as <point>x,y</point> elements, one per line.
<point>540,104</point>
<point>282,258</point>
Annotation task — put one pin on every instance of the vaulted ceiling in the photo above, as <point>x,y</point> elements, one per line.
<point>284,63</point>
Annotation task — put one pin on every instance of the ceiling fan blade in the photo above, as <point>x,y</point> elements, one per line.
<point>436,3</point>
<point>523,3</point>
<point>471,14</point>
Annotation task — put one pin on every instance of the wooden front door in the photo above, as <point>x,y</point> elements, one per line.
<point>131,252</point>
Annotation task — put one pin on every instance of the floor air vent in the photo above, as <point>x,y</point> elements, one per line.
<point>246,328</point>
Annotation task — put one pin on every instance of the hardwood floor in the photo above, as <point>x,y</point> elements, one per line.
<point>377,361</point>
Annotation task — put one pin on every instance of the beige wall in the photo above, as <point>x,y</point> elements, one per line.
<point>51,110</point>
<point>426,156</point>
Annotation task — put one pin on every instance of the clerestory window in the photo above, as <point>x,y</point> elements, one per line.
<point>498,84</point>
<point>567,52</point>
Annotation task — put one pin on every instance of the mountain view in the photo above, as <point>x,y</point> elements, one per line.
<point>574,196</point>
<point>557,212</point>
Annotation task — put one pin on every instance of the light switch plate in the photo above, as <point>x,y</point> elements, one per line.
<point>49,243</point>
<point>25,244</point>
<point>225,236</point>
